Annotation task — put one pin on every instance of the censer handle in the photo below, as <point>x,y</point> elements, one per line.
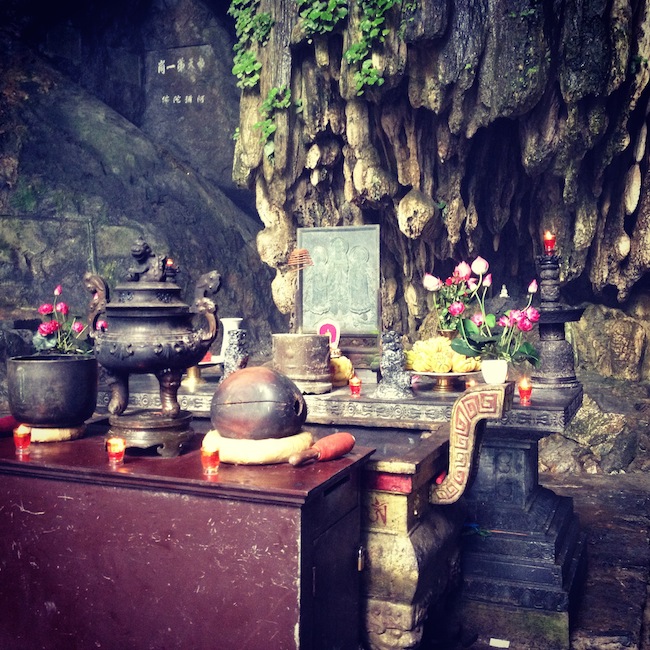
<point>99,288</point>
<point>208,310</point>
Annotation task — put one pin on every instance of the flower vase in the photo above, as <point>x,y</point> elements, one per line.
<point>227,326</point>
<point>494,371</point>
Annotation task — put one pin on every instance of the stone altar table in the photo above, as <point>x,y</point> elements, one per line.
<point>523,574</point>
<point>411,540</point>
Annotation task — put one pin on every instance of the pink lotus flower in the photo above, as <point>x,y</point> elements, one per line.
<point>480,266</point>
<point>487,280</point>
<point>478,319</point>
<point>45,309</point>
<point>456,308</point>
<point>524,325</point>
<point>532,287</point>
<point>431,282</point>
<point>514,316</point>
<point>462,272</point>
<point>532,314</point>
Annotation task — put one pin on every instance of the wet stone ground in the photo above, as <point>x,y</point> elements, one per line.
<point>614,510</point>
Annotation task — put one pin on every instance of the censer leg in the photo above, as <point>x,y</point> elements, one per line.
<point>119,385</point>
<point>170,381</point>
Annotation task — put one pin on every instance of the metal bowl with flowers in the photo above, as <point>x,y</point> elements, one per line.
<point>54,391</point>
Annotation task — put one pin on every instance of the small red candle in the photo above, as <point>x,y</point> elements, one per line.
<point>549,242</point>
<point>355,386</point>
<point>22,438</point>
<point>210,458</point>
<point>525,391</point>
<point>116,448</point>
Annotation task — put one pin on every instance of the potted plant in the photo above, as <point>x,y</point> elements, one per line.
<point>56,388</point>
<point>500,341</point>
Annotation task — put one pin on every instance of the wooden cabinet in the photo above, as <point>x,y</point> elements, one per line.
<point>154,555</point>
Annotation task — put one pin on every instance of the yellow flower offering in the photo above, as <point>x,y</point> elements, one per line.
<point>435,355</point>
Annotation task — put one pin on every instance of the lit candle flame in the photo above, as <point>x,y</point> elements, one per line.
<point>549,242</point>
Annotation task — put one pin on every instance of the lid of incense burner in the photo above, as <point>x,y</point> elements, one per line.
<point>147,295</point>
<point>150,284</point>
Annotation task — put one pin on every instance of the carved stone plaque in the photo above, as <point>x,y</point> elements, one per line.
<point>343,283</point>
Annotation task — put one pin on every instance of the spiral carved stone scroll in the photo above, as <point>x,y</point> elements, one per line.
<point>476,404</point>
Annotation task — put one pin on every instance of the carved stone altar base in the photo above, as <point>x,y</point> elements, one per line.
<point>411,542</point>
<point>523,566</point>
<point>524,558</point>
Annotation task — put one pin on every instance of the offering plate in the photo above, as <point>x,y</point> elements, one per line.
<point>445,381</point>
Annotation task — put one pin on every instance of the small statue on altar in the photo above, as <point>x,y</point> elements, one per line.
<point>148,266</point>
<point>395,382</point>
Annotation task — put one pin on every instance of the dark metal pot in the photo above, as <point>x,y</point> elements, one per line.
<point>52,390</point>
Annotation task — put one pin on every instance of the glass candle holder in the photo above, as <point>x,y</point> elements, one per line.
<point>525,391</point>
<point>22,438</point>
<point>355,386</point>
<point>210,459</point>
<point>115,447</point>
<point>549,243</point>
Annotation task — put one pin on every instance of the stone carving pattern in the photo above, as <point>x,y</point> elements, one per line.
<point>364,411</point>
<point>485,402</point>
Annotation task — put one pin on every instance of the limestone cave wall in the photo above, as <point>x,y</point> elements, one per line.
<point>462,128</point>
<point>105,137</point>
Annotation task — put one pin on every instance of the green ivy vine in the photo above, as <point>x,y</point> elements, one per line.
<point>321,16</point>
<point>373,32</point>
<point>278,99</point>
<point>250,27</point>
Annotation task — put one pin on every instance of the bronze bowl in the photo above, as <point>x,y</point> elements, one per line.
<point>52,390</point>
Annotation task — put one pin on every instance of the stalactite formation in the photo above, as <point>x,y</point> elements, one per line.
<point>460,127</point>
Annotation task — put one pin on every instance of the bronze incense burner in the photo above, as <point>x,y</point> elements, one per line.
<point>150,330</point>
